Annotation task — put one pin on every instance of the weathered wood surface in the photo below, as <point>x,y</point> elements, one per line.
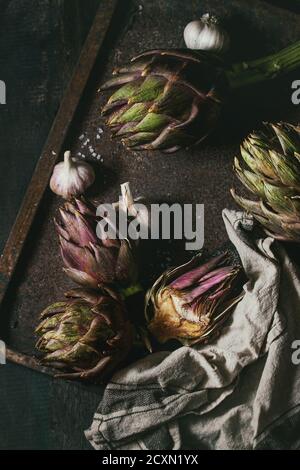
<point>40,41</point>
<point>55,413</point>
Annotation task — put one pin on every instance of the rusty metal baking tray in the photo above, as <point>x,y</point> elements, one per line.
<point>31,273</point>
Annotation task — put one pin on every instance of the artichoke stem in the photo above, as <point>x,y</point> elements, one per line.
<point>266,68</point>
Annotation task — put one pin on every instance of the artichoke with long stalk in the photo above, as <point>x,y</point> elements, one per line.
<point>168,99</point>
<point>85,336</point>
<point>191,302</point>
<point>270,169</point>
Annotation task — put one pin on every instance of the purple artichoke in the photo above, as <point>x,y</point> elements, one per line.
<point>86,336</point>
<point>172,98</point>
<point>190,303</point>
<point>91,261</point>
<point>166,99</point>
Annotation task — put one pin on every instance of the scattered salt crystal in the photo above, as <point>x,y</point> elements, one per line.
<point>100,130</point>
<point>98,157</point>
<point>79,154</point>
<point>98,137</point>
<point>81,137</point>
<point>82,155</point>
<point>94,154</point>
<point>140,7</point>
<point>53,153</point>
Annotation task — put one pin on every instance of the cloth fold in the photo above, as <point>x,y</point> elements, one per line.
<point>241,391</point>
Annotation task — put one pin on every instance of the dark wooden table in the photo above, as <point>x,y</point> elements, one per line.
<point>40,42</point>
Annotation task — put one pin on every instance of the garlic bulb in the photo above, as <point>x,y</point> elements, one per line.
<point>206,34</point>
<point>71,177</point>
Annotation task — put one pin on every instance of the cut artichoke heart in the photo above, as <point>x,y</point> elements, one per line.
<point>183,310</point>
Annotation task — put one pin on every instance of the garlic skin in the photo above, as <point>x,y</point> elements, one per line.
<point>71,177</point>
<point>206,34</point>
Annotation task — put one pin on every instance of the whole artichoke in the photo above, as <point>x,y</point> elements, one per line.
<point>189,303</point>
<point>166,99</point>
<point>172,98</point>
<point>91,261</point>
<point>86,336</point>
<point>271,171</point>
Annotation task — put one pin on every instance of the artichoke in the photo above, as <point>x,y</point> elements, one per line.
<point>189,303</point>
<point>166,99</point>
<point>90,261</point>
<point>271,171</point>
<point>86,336</point>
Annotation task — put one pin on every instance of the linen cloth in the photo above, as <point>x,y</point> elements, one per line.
<point>241,391</point>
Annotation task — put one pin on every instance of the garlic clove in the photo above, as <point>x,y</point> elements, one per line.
<point>71,177</point>
<point>206,34</point>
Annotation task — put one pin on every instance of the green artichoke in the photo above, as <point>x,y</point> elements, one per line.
<point>166,99</point>
<point>271,171</point>
<point>86,336</point>
<point>190,303</point>
<point>172,98</point>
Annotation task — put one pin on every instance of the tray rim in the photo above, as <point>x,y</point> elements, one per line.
<point>51,151</point>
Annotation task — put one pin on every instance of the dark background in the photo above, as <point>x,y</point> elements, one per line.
<point>40,41</point>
